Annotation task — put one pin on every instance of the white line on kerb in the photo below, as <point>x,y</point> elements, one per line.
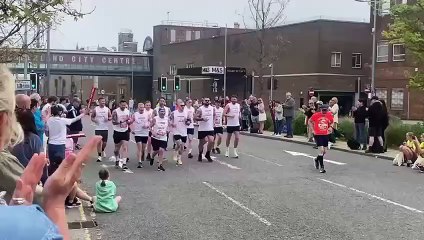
<point>263,220</point>
<point>373,196</point>
<point>262,159</point>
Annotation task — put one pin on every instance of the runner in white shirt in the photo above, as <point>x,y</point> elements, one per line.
<point>180,121</point>
<point>205,117</point>
<point>190,129</point>
<point>232,112</point>
<point>121,135</point>
<point>101,116</point>
<point>140,129</point>
<point>217,124</point>
<point>159,127</point>
<point>148,109</point>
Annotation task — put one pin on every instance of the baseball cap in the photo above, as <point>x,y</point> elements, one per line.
<point>324,107</point>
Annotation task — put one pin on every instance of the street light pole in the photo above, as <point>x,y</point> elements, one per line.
<point>374,4</point>
<point>272,80</point>
<point>225,61</point>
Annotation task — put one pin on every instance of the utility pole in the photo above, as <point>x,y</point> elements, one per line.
<point>374,60</point>
<point>48,63</point>
<point>225,61</point>
<point>272,80</point>
<point>26,51</point>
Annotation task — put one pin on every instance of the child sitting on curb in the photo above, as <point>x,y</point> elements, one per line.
<point>105,200</point>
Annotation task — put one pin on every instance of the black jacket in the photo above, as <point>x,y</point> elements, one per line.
<point>360,114</point>
<point>73,112</point>
<point>376,115</point>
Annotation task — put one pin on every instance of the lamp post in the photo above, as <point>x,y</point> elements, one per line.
<point>374,47</point>
<point>271,66</point>
<point>225,61</point>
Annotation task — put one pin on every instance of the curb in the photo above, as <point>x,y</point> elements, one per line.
<point>311,144</point>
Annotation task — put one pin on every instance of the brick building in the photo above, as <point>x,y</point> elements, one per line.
<point>393,68</point>
<point>329,56</point>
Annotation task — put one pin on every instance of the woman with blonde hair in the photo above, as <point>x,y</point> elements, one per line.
<point>262,115</point>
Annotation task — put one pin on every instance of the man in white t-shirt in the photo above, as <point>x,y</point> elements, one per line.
<point>232,113</point>
<point>140,128</point>
<point>205,117</point>
<point>121,134</point>
<point>190,129</point>
<point>101,117</point>
<point>179,121</point>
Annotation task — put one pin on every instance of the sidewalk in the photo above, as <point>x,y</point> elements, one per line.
<point>340,145</point>
<point>81,223</point>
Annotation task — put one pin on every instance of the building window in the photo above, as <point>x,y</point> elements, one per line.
<point>381,93</point>
<point>383,51</point>
<point>173,35</point>
<point>356,60</point>
<point>190,65</point>
<point>336,59</point>
<point>398,53</point>
<point>188,35</point>
<point>173,70</point>
<point>197,35</point>
<point>397,98</point>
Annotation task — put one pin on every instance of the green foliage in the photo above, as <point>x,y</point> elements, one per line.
<point>346,128</point>
<point>299,126</point>
<point>408,28</point>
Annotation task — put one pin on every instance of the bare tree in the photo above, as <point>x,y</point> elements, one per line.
<point>34,16</point>
<point>267,45</point>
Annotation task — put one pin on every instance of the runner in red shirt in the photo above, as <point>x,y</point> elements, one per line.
<point>322,122</point>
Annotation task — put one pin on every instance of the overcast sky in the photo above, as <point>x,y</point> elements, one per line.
<point>110,16</point>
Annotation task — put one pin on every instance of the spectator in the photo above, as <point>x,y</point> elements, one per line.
<point>74,110</point>
<point>271,107</point>
<point>45,111</point>
<point>409,150</point>
<point>288,113</point>
<point>254,111</point>
<point>262,115</point>
<point>245,113</point>
<point>385,123</point>
<point>309,111</point>
<point>279,119</point>
<point>23,101</point>
<point>376,119</point>
<point>360,115</point>
<point>62,103</point>
<point>334,109</point>
<point>32,143</point>
<point>106,200</point>
<point>419,163</point>
<point>35,109</point>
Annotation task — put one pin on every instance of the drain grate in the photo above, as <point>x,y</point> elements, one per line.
<point>82,224</point>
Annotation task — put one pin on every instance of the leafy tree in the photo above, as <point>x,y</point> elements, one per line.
<point>408,28</point>
<point>32,17</point>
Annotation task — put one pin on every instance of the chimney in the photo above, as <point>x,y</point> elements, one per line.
<point>236,25</point>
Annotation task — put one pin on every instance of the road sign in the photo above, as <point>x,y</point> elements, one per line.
<point>213,70</point>
<point>23,85</point>
<point>102,92</point>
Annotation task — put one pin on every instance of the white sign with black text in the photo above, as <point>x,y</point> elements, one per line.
<point>22,85</point>
<point>213,70</point>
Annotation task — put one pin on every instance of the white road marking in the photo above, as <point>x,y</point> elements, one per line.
<point>312,157</point>
<point>251,212</point>
<point>127,171</point>
<point>373,196</point>
<point>224,163</point>
<point>262,159</point>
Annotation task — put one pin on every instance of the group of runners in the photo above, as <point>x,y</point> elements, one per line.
<point>151,129</point>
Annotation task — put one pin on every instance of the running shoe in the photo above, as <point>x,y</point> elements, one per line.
<point>322,170</point>
<point>213,150</point>
<point>73,204</point>
<point>161,168</point>
<point>218,151</point>
<point>124,167</point>
<point>235,153</point>
<point>140,165</point>
<point>227,152</point>
<point>190,155</point>
<point>208,157</point>
<point>99,159</point>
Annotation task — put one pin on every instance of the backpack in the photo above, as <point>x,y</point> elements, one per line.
<point>353,144</point>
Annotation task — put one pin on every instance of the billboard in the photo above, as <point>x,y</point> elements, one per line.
<point>23,85</point>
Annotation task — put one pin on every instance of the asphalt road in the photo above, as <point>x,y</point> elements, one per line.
<point>265,194</point>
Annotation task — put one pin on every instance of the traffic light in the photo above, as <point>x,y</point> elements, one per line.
<point>34,80</point>
<point>177,83</point>
<point>163,84</point>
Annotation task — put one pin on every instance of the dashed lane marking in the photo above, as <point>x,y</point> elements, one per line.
<point>240,205</point>
<point>373,196</point>
<point>262,159</point>
<point>312,157</point>
<point>224,163</point>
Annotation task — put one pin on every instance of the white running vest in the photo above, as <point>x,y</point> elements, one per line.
<point>207,113</point>
<point>219,112</point>
<point>160,127</point>
<point>102,118</point>
<point>190,115</point>
<point>141,124</point>
<point>234,110</point>
<point>123,116</point>
<point>180,123</point>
